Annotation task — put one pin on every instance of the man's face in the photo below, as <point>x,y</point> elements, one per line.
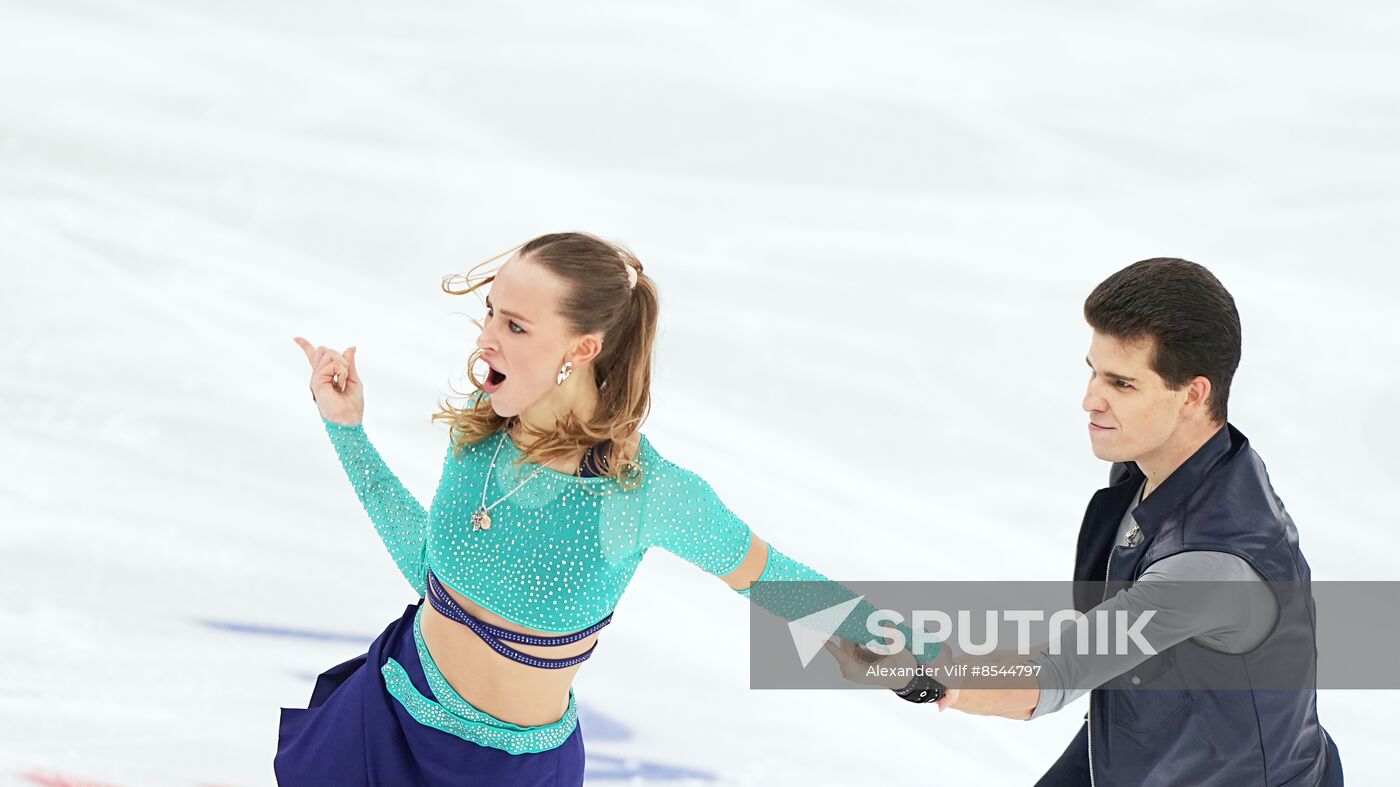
<point>1132,412</point>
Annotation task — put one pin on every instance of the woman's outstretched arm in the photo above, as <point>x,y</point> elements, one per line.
<point>767,565</point>
<point>687,518</point>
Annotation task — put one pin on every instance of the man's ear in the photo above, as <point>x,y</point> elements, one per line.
<point>586,349</point>
<point>1198,391</point>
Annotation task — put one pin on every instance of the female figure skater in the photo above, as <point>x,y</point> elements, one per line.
<point>549,498</point>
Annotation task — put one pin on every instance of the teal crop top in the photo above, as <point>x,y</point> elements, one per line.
<point>563,548</point>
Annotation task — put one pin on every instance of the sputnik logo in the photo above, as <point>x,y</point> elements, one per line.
<point>811,632</point>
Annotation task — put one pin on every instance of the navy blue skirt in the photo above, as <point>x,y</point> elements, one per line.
<point>354,732</point>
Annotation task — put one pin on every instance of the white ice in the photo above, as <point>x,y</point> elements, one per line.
<point>873,223</point>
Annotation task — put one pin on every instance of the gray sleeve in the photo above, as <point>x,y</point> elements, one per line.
<point>1233,622</point>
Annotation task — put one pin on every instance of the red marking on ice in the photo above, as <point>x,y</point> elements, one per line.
<point>55,780</point>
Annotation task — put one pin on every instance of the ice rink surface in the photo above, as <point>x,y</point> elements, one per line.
<point>873,225</point>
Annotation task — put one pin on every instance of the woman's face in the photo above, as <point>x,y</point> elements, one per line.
<point>524,338</point>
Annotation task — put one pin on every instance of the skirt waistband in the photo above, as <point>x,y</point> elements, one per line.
<point>453,714</point>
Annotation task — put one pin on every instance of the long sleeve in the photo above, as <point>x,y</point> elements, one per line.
<point>792,590</point>
<point>398,517</point>
<point>1188,603</point>
<point>687,518</point>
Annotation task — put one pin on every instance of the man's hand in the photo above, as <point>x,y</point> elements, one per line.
<point>1017,701</point>
<point>1008,703</point>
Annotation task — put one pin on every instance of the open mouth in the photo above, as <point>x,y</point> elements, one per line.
<point>494,379</point>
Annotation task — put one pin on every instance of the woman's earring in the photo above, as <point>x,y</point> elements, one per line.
<point>564,372</point>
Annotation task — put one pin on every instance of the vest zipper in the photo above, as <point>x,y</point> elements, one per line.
<point>1108,570</point>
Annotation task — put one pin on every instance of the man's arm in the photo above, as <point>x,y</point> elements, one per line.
<point>1232,622</point>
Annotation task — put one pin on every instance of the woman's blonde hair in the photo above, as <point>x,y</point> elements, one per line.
<point>600,298</point>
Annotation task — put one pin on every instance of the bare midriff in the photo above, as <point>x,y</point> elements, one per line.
<point>510,691</point>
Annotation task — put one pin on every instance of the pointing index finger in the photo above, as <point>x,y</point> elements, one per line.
<point>305,347</point>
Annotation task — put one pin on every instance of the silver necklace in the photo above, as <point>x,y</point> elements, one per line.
<point>481,520</point>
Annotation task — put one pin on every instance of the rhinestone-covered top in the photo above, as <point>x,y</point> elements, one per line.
<point>561,549</point>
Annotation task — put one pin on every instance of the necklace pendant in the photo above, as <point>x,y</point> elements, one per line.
<point>481,520</point>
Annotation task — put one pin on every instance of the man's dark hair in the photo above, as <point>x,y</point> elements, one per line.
<point>1188,314</point>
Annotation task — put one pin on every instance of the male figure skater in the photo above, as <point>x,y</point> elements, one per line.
<point>1188,499</point>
